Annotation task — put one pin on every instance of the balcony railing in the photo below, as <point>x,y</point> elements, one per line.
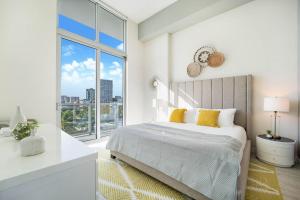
<point>79,119</point>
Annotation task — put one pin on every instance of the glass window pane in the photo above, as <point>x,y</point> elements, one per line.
<point>111,30</point>
<point>78,16</point>
<point>78,84</point>
<point>111,92</point>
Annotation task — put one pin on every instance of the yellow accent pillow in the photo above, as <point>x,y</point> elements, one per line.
<point>208,118</point>
<point>177,115</point>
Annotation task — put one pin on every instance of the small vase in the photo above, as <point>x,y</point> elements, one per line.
<point>19,117</point>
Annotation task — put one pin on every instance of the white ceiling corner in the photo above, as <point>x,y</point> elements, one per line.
<point>139,10</point>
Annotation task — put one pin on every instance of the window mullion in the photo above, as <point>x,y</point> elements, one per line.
<point>97,25</point>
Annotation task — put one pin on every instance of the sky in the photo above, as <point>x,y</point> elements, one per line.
<point>78,62</point>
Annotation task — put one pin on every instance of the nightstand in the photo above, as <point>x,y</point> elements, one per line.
<point>280,153</point>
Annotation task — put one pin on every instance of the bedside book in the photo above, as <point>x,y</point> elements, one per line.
<point>279,152</point>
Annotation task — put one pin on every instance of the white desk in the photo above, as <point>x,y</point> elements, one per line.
<point>66,170</point>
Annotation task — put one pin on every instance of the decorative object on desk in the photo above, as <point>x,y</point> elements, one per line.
<point>4,129</point>
<point>6,132</point>
<point>276,104</point>
<point>23,130</point>
<point>32,145</point>
<point>269,134</point>
<point>203,57</point>
<point>19,117</point>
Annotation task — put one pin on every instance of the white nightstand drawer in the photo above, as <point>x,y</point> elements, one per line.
<point>275,159</point>
<point>281,150</point>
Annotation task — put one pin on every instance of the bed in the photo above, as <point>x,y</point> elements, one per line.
<point>177,155</point>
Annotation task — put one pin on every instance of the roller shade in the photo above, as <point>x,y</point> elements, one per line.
<point>82,11</point>
<point>111,24</point>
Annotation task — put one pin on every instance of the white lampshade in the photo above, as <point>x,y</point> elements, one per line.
<point>276,104</point>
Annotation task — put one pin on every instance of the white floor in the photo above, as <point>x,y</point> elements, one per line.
<point>98,144</point>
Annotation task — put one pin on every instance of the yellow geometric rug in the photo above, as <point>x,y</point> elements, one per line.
<point>262,182</point>
<point>120,181</point>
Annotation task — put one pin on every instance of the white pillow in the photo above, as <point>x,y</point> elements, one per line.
<point>226,117</point>
<point>190,116</point>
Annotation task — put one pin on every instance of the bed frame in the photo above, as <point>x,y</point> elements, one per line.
<point>229,92</point>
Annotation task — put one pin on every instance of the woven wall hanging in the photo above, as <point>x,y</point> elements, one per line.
<point>203,57</point>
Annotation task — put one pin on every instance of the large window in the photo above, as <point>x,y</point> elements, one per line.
<point>111,92</point>
<point>78,84</point>
<point>92,68</point>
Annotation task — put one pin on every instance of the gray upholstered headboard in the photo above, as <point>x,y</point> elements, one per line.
<point>229,92</point>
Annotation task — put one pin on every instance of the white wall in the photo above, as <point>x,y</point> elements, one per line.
<point>258,38</point>
<point>28,58</point>
<point>134,77</point>
<point>156,64</point>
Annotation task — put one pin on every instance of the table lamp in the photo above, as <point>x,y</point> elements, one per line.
<point>276,104</point>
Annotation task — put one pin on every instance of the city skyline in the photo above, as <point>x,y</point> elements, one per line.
<point>106,94</point>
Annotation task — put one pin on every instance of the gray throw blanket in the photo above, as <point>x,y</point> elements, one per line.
<point>207,163</point>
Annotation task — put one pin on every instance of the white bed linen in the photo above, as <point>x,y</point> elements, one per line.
<point>169,147</point>
<point>236,132</point>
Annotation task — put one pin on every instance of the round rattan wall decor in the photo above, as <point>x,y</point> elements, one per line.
<point>215,59</point>
<point>202,54</point>
<point>194,69</point>
<point>203,57</point>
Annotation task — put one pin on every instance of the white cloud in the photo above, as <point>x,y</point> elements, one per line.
<point>116,64</point>
<point>115,69</point>
<point>76,73</point>
<point>89,63</point>
<point>71,67</point>
<point>68,50</point>
<point>76,78</point>
<point>121,46</point>
<point>90,78</point>
<point>71,77</point>
<point>79,72</point>
<point>102,73</point>
<point>116,72</point>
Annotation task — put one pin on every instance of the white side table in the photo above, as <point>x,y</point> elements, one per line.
<point>280,153</point>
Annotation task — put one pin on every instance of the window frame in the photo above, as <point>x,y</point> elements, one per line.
<point>64,34</point>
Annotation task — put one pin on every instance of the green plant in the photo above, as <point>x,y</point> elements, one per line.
<point>269,132</point>
<point>23,130</point>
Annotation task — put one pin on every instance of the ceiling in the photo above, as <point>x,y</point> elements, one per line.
<point>139,10</point>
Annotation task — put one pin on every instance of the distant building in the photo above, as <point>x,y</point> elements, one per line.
<point>74,99</point>
<point>106,91</point>
<point>90,95</point>
<point>117,99</point>
<point>65,99</point>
